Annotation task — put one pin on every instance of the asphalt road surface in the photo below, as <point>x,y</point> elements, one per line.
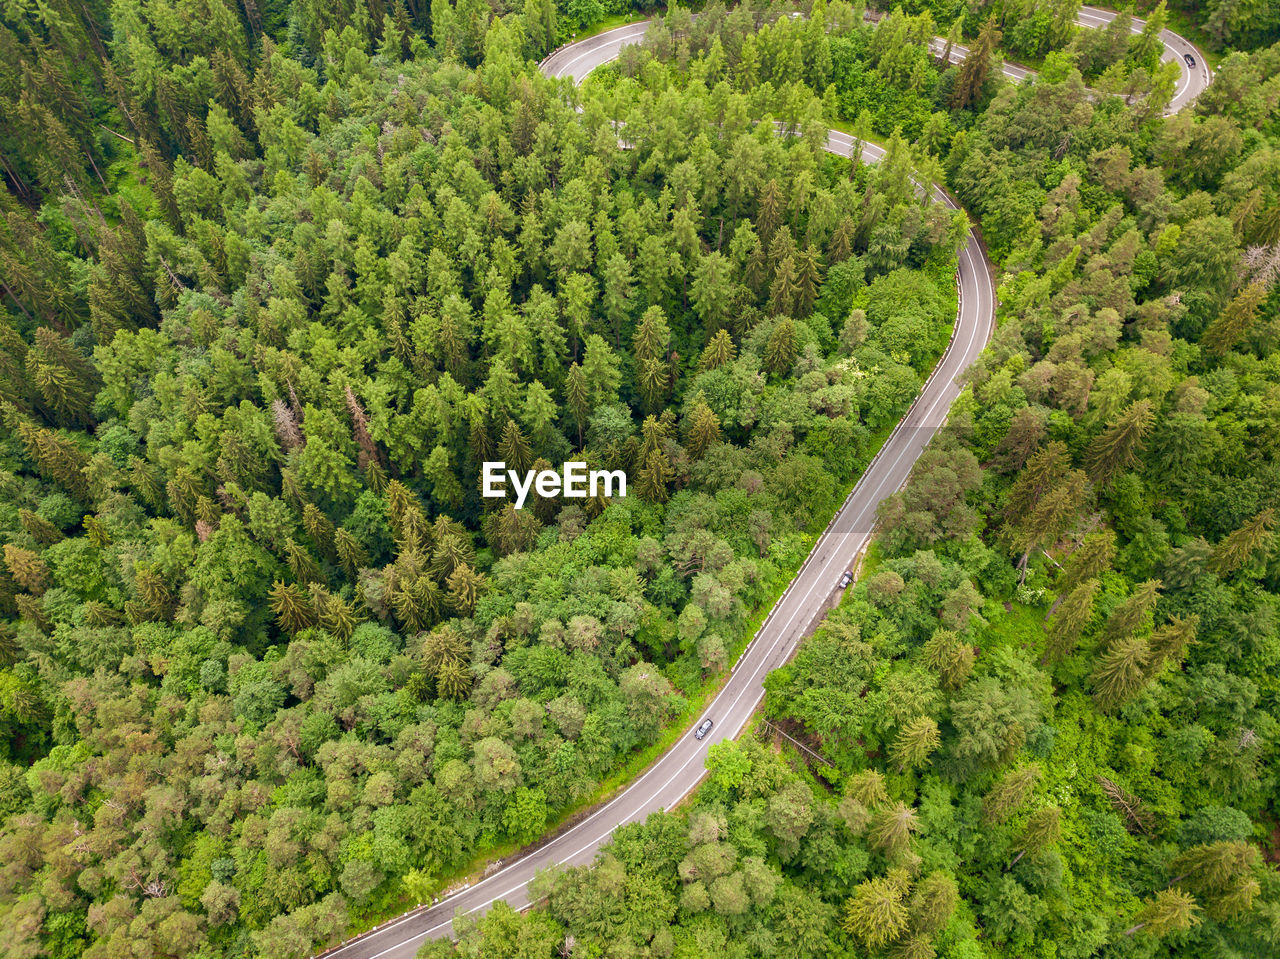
<point>678,771</point>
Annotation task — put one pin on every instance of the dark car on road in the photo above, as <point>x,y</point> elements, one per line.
<point>703,728</point>
<point>1191,61</point>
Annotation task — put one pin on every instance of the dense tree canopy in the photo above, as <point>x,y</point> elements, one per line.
<point>278,279</point>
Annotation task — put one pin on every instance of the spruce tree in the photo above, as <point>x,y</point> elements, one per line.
<point>876,913</point>
<point>1219,874</point>
<point>704,428</point>
<point>1236,319</point>
<point>1122,673</point>
<point>291,608</point>
<point>718,352</point>
<point>916,741</point>
<point>950,657</point>
<point>891,829</point>
<point>1129,616</point>
<point>1067,625</point>
<point>1118,447</point>
<point>1240,546</point>
<point>1089,560</point>
<point>1010,792</point>
<point>1169,910</point>
<point>780,352</point>
<point>976,66</point>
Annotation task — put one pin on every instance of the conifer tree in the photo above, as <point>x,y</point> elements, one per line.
<point>653,477</point>
<point>780,352</point>
<point>1043,829</point>
<point>1089,560</point>
<point>876,913</point>
<point>976,66</point>
<point>891,829</point>
<point>66,381</point>
<point>465,587</point>
<point>704,428</point>
<point>916,741</point>
<point>1129,616</point>
<point>1169,910</point>
<point>1236,319</point>
<point>514,448</point>
<point>1169,642</point>
<point>933,901</point>
<point>718,352</point>
<point>1010,792</point>
<point>784,290</point>
<point>1220,875</point>
<point>291,608</point>
<point>576,398</point>
<point>1064,630</point>
<point>1121,673</point>
<point>868,788</point>
<point>1118,447</point>
<point>950,657</point>
<point>1240,546</point>
<point>27,569</point>
<point>350,553</point>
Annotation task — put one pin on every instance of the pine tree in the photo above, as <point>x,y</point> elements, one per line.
<point>1170,910</point>
<point>950,657</point>
<point>1118,447</point>
<point>718,352</point>
<point>1236,319</point>
<point>1010,792</point>
<point>1239,547</point>
<point>444,645</point>
<point>1068,624</point>
<point>1122,673</point>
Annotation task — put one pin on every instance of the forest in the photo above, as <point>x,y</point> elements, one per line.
<point>278,279</point>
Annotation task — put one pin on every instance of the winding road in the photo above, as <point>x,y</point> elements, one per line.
<point>675,774</point>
